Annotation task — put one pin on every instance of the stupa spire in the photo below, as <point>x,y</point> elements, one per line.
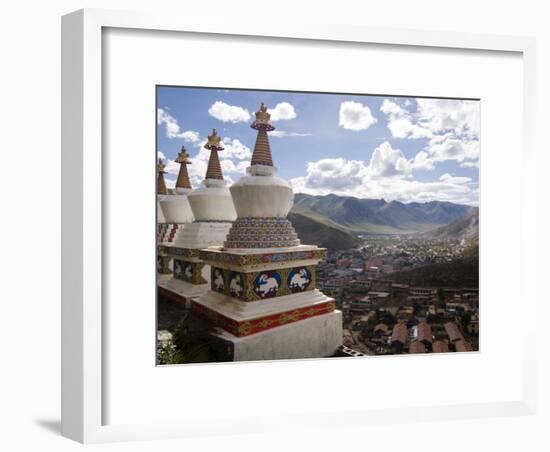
<point>214,170</point>
<point>161,184</point>
<point>262,151</point>
<point>183,176</point>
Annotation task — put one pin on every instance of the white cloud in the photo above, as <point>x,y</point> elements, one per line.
<point>449,147</point>
<point>282,134</point>
<point>452,127</point>
<point>160,155</point>
<point>282,112</point>
<point>173,129</point>
<point>387,162</point>
<point>190,135</point>
<point>455,179</point>
<point>470,164</point>
<point>335,174</point>
<point>442,115</point>
<point>234,149</point>
<point>355,116</point>
<point>387,176</point>
<point>400,122</point>
<point>228,113</point>
<point>422,162</point>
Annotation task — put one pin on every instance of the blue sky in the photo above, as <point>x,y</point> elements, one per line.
<point>405,149</point>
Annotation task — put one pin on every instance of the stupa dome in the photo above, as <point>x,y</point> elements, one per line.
<point>212,201</point>
<point>261,194</point>
<point>175,207</point>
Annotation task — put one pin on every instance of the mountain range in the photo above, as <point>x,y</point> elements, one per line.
<point>465,227</point>
<point>377,216</point>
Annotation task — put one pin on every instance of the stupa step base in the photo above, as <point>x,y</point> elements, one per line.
<point>226,317</point>
<point>202,234</point>
<point>166,232</point>
<point>315,337</point>
<point>242,311</point>
<point>179,291</point>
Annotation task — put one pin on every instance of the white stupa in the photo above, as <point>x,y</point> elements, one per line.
<point>175,206</point>
<point>213,213</point>
<point>164,261</point>
<point>262,295</point>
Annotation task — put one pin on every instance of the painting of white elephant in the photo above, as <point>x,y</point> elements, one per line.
<point>267,284</point>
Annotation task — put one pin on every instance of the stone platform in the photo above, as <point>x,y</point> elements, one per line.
<point>181,292</point>
<point>315,337</point>
<point>242,318</point>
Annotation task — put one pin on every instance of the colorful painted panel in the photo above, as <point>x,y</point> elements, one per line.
<point>256,286</point>
<point>217,280</point>
<point>183,270</point>
<point>163,264</point>
<point>267,284</point>
<point>299,279</point>
<point>236,285</point>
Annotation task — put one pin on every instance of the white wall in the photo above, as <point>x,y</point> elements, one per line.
<point>30,225</point>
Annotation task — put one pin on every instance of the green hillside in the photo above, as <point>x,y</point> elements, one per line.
<point>462,272</point>
<point>315,231</point>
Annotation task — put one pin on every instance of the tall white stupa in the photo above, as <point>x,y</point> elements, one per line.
<point>213,212</point>
<point>175,206</point>
<point>163,260</point>
<point>262,293</point>
<point>175,211</point>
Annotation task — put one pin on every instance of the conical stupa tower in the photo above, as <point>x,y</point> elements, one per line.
<point>164,261</point>
<point>213,212</point>
<point>183,183</point>
<point>161,190</point>
<point>262,294</point>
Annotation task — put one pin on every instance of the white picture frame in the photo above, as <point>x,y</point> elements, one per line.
<point>83,347</point>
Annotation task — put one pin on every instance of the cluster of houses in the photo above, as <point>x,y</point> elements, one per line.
<point>398,318</point>
<point>421,337</point>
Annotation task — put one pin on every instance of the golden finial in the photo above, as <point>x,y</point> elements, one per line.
<point>262,114</point>
<point>263,119</point>
<point>183,157</point>
<point>214,141</point>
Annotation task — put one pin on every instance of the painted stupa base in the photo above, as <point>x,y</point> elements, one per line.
<point>164,262</point>
<point>180,288</point>
<point>190,276</point>
<point>261,233</point>
<point>257,274</point>
<point>266,304</point>
<point>305,325</point>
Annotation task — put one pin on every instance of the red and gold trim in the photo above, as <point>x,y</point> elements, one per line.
<point>248,327</point>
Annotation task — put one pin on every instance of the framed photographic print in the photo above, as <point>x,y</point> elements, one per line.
<point>253,217</point>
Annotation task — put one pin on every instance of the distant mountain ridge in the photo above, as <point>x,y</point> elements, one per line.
<point>465,227</point>
<point>377,216</point>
